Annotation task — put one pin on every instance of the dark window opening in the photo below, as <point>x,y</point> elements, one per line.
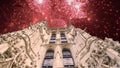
<point>47,67</point>
<point>66,54</point>
<point>53,38</point>
<point>71,66</point>
<point>48,60</point>
<point>67,58</point>
<point>63,38</point>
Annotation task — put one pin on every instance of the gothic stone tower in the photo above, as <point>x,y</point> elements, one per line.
<point>41,47</point>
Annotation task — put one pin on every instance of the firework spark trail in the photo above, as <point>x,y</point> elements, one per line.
<point>59,9</point>
<point>100,17</point>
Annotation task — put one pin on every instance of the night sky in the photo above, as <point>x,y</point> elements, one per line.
<point>100,18</point>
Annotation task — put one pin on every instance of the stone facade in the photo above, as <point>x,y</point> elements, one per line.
<point>41,47</point>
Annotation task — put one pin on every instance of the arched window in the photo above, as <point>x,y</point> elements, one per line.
<point>63,38</point>
<point>67,58</point>
<point>48,60</point>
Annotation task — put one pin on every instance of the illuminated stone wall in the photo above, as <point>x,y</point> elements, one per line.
<point>92,52</point>
<point>27,49</point>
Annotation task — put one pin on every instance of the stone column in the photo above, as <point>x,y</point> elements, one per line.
<point>41,56</point>
<point>58,59</point>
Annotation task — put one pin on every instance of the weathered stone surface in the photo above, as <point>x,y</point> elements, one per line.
<point>27,48</point>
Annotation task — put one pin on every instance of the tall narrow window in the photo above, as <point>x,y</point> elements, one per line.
<point>67,58</point>
<point>63,38</point>
<point>53,38</point>
<point>48,60</point>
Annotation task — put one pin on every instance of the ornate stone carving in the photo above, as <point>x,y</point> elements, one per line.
<point>26,48</point>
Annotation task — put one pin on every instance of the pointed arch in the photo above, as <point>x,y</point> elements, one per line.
<point>48,60</point>
<point>67,58</point>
